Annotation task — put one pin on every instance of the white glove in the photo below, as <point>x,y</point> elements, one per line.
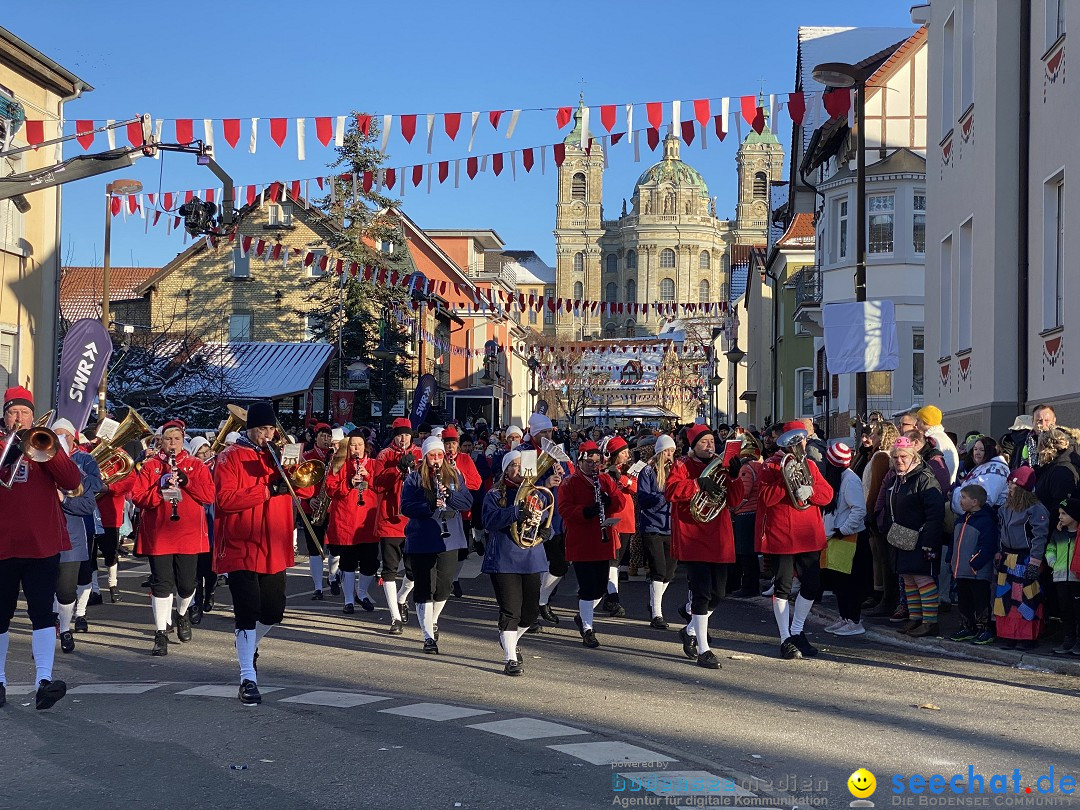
<point>804,492</point>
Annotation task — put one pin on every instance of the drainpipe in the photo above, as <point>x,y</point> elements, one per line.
<point>1023,212</point>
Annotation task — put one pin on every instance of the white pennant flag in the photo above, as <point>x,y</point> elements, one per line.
<point>401,182</point>
<point>430,133</point>
<point>630,127</point>
<point>725,110</point>
<point>110,133</point>
<point>457,173</point>
<point>355,190</point>
<point>483,163</point>
<point>637,147</point>
<point>254,135</point>
<point>585,128</point>
<point>157,136</point>
<point>301,140</point>
<point>387,120</point>
<point>676,117</point>
<point>472,135</point>
<point>429,169</point>
<point>339,131</point>
<point>513,123</point>
<point>208,133</point>
<point>772,109</point>
<point>513,166</point>
<point>606,144</point>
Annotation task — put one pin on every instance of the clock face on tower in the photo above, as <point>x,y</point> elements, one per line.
<point>577,208</point>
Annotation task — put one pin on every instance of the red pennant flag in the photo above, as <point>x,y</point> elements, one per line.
<point>232,131</point>
<point>559,152</point>
<point>35,132</point>
<point>363,124</point>
<point>494,117</point>
<point>367,179</point>
<point>275,191</point>
<point>796,107</point>
<point>251,194</point>
<point>618,136</point>
<point>324,130</point>
<point>85,131</point>
<point>701,111</point>
<point>655,110</point>
<point>471,166</point>
<point>185,132</point>
<point>275,251</point>
<point>408,127</point>
<point>654,138</point>
<point>133,203</point>
<point>749,108</point>
<point>246,243</point>
<point>497,163</point>
<point>157,216</point>
<point>417,174</point>
<point>444,170</point>
<point>527,159</point>
<point>688,132</point>
<point>209,195</point>
<point>759,120</point>
<point>721,133</point>
<point>563,116</point>
<point>294,189</point>
<point>134,133</point>
<point>189,196</point>
<point>309,259</point>
<point>115,205</point>
<point>607,116</point>
<point>278,129</point>
<point>451,122</point>
<point>167,200</point>
<point>391,176</point>
<point>837,101</point>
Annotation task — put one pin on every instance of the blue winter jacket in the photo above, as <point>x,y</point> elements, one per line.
<point>501,554</point>
<point>423,532</point>
<point>653,509</point>
<point>81,507</point>
<point>975,542</point>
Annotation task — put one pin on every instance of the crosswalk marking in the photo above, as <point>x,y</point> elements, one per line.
<point>212,690</point>
<point>342,700</point>
<point>434,711</point>
<point>610,752</point>
<point>527,728</point>
<point>114,688</point>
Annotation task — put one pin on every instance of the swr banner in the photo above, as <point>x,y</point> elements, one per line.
<point>83,360</point>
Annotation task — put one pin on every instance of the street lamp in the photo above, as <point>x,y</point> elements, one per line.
<point>115,187</point>
<point>841,74</point>
<point>533,365</point>
<point>735,356</point>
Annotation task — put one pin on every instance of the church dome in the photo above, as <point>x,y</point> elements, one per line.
<point>672,170</point>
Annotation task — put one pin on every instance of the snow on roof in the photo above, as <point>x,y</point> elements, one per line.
<point>527,267</point>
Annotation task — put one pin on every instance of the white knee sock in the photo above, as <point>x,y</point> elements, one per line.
<point>184,603</point>
<point>4,639</point>
<point>162,607</point>
<point>94,586</point>
<point>438,610</point>
<point>406,589</point>
<point>348,584</point>
<point>613,579</point>
<point>112,574</point>
<point>82,599</point>
<point>389,587</point>
<point>425,614</point>
<point>43,643</point>
<point>522,631</point>
<point>780,613</point>
<point>260,631</point>
<point>509,640</point>
<point>245,653</point>
<point>335,565</point>
<point>701,632</point>
<point>547,586</point>
<point>315,565</point>
<point>363,583</point>
<point>457,571</point>
<point>65,612</point>
<point>799,614</point>
<point>656,598</point>
<point>585,608</point>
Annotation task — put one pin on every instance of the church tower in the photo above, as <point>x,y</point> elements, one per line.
<point>577,232</point>
<point>760,161</point>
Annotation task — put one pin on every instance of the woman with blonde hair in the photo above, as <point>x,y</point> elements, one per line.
<point>654,521</point>
<point>350,529</point>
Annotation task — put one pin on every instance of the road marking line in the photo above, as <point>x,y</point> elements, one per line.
<point>528,728</point>
<point>610,752</point>
<point>213,690</point>
<point>115,688</point>
<point>342,700</point>
<point>434,711</point>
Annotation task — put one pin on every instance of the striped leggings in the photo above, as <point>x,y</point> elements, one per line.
<point>921,592</point>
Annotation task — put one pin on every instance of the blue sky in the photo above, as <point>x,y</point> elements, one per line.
<point>277,59</point>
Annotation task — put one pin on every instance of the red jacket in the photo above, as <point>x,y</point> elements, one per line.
<point>585,542</point>
<point>252,530</point>
<point>326,457</point>
<point>473,481</point>
<point>158,534</point>
<point>628,486</point>
<point>691,541</point>
<point>111,501</point>
<point>34,526</point>
<point>388,481</point>
<point>780,528</point>
<point>350,524</point>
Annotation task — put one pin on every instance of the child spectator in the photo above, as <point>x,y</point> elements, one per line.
<point>1060,555</point>
<point>1023,525</point>
<point>975,542</point>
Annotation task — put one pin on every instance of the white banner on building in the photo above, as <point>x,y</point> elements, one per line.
<point>861,337</point>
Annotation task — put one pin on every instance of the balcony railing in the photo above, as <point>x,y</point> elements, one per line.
<point>807,285</point>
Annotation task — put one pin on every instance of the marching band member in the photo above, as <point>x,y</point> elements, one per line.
<point>112,500</point>
<point>541,428</point>
<point>706,548</point>
<point>253,536</point>
<point>618,453</point>
<point>205,578</point>
<point>350,526</point>
<point>170,491</point>
<point>654,520</point>
<point>32,535</point>
<point>514,571</point>
<point>392,465</point>
<point>589,498</point>
<point>433,498</point>
<point>77,505</point>
<point>323,452</point>
<point>464,465</point>
<point>793,539</point>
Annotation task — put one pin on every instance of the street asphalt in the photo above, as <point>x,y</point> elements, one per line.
<point>353,717</point>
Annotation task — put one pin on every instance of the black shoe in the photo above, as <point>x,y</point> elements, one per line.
<point>395,628</point>
<point>513,668</point>
<point>689,644</point>
<point>335,587</point>
<point>455,589</point>
<point>804,645</point>
<point>708,660</point>
<point>403,609</point>
<point>196,612</point>
<point>744,593</point>
<point>367,604</point>
<point>317,596</point>
<point>249,694</point>
<point>612,606</point>
<point>80,625</point>
<point>548,615</point>
<point>685,615</point>
<point>624,576</point>
<point>3,694</point>
<point>114,594</point>
<point>871,602</point>
<point>430,646</point>
<point>588,638</point>
<point>659,623</point>
<point>789,650</point>
<point>348,608</point>
<point>145,583</point>
<point>534,628</point>
<point>67,642</point>
<point>95,598</point>
<point>435,631</point>
<point>208,603</point>
<point>182,623</point>
<point>49,692</point>
<point>161,643</point>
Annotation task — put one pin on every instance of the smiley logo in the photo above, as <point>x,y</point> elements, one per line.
<point>862,784</point>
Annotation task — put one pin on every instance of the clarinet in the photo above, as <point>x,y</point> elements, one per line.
<point>600,506</point>
<point>360,487</point>
<point>173,471</point>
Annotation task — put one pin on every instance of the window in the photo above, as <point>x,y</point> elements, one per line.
<point>631,260</point>
<point>579,291</point>
<point>1055,20</point>
<point>611,292</point>
<point>667,257</point>
<point>241,264</point>
<point>948,54</point>
<point>11,227</point>
<point>967,55</point>
<point>610,329</point>
<point>879,384</point>
<point>386,246</point>
<point>631,327</point>
<point>577,187</point>
<point>880,209</point>
<point>667,290</point>
<point>945,298</point>
<point>579,262</point>
<point>549,315</point>
<point>918,222</point>
<point>761,185</point>
<point>314,269</point>
<point>918,365</point>
<point>703,292</point>
<point>240,326</point>
<point>1054,253</point>
<point>279,215</point>
<point>804,386</point>
<point>612,263</point>
<point>314,329</point>
<point>631,292</point>
<point>7,358</point>
<point>965,269</point>
<point>840,245</point>
<point>532,316</point>
<point>704,260</point>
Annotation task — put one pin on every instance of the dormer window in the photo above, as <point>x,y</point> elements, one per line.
<point>279,215</point>
<point>386,246</point>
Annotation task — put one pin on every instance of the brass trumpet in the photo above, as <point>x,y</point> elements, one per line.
<point>36,443</point>
<point>705,506</point>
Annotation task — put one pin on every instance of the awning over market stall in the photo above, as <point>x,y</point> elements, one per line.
<point>273,370</point>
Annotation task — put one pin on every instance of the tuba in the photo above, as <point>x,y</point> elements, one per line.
<point>113,460</point>
<point>705,506</point>
<point>794,466</point>
<point>235,422</point>
<point>539,501</point>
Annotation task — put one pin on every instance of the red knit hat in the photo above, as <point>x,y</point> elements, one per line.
<point>839,454</point>
<point>18,396</point>
<point>587,447</point>
<point>615,445</point>
<point>695,433</point>
<point>793,426</point>
<point>450,434</point>
<point>401,425</point>
<point>177,424</point>
<point>323,427</point>
<point>1023,477</point>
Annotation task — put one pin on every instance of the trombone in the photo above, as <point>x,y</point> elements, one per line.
<point>36,442</point>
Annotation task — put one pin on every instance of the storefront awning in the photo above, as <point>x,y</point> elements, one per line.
<point>270,370</point>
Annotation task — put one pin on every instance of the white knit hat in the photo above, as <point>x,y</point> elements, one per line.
<point>432,443</point>
<point>510,458</point>
<point>513,430</point>
<point>665,442</point>
<point>197,444</point>
<point>64,424</point>
<point>232,438</point>
<point>538,422</point>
